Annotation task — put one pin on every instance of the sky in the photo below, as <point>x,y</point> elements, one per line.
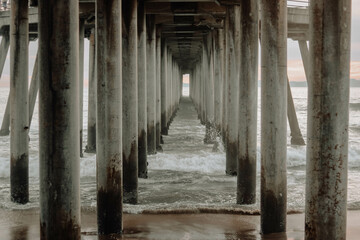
<point>295,66</point>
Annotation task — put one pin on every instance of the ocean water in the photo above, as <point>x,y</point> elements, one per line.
<point>188,175</point>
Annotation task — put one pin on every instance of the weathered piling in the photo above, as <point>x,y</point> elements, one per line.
<point>109,117</point>
<point>4,48</point>
<point>168,90</point>
<point>328,120</point>
<point>19,102</point>
<point>218,80</point>
<point>158,89</point>
<point>34,88</point>
<point>151,83</point>
<point>130,100</point>
<point>198,91</point>
<point>164,83</point>
<point>202,95</point>
<point>81,79</point>
<point>248,98</point>
<point>208,79</point>
<point>59,119</point>
<point>169,80</point>
<point>91,124</point>
<point>296,136</point>
<point>304,51</point>
<point>233,55</point>
<point>142,92</point>
<point>225,81</point>
<point>273,115</point>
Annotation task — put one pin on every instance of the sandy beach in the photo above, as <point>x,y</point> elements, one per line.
<point>24,225</point>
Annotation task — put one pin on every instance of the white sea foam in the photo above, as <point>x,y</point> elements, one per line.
<point>188,175</point>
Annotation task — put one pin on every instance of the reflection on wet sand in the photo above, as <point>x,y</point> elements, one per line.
<point>19,233</point>
<point>24,225</point>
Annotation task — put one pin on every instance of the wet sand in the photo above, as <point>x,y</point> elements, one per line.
<point>24,225</point>
<point>186,141</point>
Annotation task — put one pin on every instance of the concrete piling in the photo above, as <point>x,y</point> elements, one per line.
<point>233,55</point>
<point>130,100</point>
<point>19,102</point>
<point>59,119</point>
<point>4,48</point>
<point>208,79</point>
<point>225,81</point>
<point>305,58</point>
<point>5,125</point>
<point>200,91</point>
<point>34,88</point>
<point>151,84</point>
<point>168,90</point>
<point>218,80</point>
<point>164,87</point>
<point>158,89</point>
<point>248,98</point>
<point>92,96</point>
<point>169,80</point>
<point>273,115</point>
<point>296,136</point>
<point>203,96</point>
<point>142,92</point>
<point>328,120</point>
<point>138,54</point>
<point>81,80</point>
<point>109,116</point>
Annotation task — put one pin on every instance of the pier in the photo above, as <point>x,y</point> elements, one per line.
<point>138,54</point>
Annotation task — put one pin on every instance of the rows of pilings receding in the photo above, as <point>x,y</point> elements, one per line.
<point>135,85</point>
<point>224,89</point>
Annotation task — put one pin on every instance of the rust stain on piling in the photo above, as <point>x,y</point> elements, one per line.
<point>310,231</point>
